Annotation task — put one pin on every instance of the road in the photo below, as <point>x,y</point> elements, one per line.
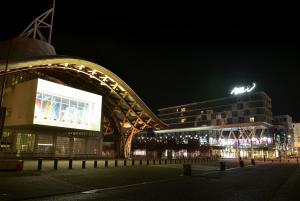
<point>274,182</point>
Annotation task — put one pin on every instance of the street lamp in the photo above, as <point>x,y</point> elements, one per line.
<point>3,109</point>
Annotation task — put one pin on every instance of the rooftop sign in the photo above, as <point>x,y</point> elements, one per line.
<point>241,90</point>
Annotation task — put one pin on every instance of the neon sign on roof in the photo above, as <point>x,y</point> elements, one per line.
<point>241,90</point>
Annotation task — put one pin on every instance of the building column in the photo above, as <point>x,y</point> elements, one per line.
<point>86,144</point>
<point>252,150</point>
<point>71,147</point>
<point>36,146</point>
<point>100,145</point>
<point>54,141</point>
<point>14,142</point>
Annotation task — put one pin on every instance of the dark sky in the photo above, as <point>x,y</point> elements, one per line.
<point>177,54</point>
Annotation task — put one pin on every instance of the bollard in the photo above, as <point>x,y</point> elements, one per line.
<point>242,164</point>
<point>70,163</point>
<point>272,160</point>
<point>141,162</point>
<point>55,164</point>
<point>125,162</point>
<point>222,166</point>
<point>106,163</point>
<point>19,165</point>
<point>83,164</point>
<point>116,163</point>
<point>165,161</point>
<point>252,162</point>
<point>132,162</point>
<point>187,169</point>
<point>40,163</point>
<point>95,163</point>
<point>147,162</point>
<point>297,159</point>
<point>153,161</point>
<point>264,158</point>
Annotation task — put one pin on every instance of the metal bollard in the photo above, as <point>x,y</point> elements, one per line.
<point>153,161</point>
<point>125,162</point>
<point>95,163</point>
<point>132,162</point>
<point>187,169</point>
<point>116,163</point>
<point>242,164</point>
<point>141,162</point>
<point>106,163</point>
<point>55,164</point>
<point>83,164</point>
<point>40,163</point>
<point>147,162</point>
<point>297,159</point>
<point>222,166</point>
<point>252,161</point>
<point>70,163</point>
<point>264,158</point>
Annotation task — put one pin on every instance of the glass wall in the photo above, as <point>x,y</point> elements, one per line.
<point>62,146</point>
<point>25,143</point>
<point>45,144</point>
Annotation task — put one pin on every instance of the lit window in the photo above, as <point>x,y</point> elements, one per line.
<point>183,109</point>
<point>251,119</point>
<point>183,120</point>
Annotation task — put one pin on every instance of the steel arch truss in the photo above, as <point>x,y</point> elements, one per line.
<point>129,112</point>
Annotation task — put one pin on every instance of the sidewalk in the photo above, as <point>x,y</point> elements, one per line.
<point>32,183</point>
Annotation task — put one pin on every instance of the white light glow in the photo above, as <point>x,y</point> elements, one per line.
<point>241,90</point>
<point>45,144</point>
<point>139,152</point>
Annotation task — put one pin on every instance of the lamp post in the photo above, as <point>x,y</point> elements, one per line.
<point>3,109</point>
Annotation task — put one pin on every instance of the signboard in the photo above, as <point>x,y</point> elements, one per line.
<point>241,90</point>
<point>63,106</point>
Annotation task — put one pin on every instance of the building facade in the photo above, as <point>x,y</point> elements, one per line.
<point>236,126</point>
<point>247,108</point>
<point>296,134</point>
<point>60,131</point>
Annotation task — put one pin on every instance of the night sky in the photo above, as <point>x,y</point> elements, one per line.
<point>177,54</point>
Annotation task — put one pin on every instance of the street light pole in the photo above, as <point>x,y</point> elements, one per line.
<point>3,109</point>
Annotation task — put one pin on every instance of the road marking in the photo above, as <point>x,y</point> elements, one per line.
<point>124,186</point>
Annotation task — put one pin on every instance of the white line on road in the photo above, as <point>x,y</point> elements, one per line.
<point>124,186</point>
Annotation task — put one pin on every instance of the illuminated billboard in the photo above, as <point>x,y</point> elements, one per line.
<point>63,106</point>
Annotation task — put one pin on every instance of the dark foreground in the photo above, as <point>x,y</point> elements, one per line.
<point>262,182</point>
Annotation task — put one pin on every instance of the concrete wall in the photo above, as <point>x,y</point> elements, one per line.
<point>19,101</point>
